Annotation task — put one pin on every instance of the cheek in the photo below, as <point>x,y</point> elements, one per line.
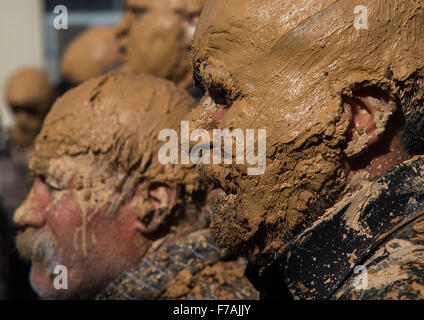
<point>64,215</point>
<point>41,195</point>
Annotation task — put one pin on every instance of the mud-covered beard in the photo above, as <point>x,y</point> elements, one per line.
<point>39,248</point>
<point>231,229</point>
<point>226,227</point>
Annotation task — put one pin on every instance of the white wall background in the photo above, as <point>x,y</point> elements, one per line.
<point>21,42</point>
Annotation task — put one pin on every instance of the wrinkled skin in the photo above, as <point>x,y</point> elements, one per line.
<point>101,197</point>
<point>155,38</point>
<point>94,245</point>
<point>281,66</point>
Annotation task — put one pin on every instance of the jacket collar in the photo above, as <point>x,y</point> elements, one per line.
<point>317,263</point>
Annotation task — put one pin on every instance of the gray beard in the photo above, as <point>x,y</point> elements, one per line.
<point>38,247</point>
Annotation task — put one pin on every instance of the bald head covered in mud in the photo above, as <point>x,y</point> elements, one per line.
<point>339,105</point>
<point>29,94</point>
<point>101,198</point>
<point>155,38</point>
<point>92,54</point>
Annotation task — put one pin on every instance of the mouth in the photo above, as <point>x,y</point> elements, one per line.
<point>39,248</point>
<point>217,193</point>
<point>123,51</point>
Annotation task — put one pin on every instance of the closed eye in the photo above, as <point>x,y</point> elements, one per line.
<point>220,96</point>
<point>50,185</point>
<point>219,93</point>
<point>138,12</point>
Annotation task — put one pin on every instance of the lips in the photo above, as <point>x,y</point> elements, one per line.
<point>39,247</point>
<point>220,113</point>
<point>217,194</point>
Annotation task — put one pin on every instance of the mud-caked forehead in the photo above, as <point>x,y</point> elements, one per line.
<point>297,63</point>
<point>185,7</point>
<point>233,33</point>
<point>118,116</point>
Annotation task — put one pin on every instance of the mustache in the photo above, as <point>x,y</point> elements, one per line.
<point>38,247</point>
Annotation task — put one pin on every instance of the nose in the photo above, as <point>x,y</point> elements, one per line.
<point>30,213</point>
<point>28,216</point>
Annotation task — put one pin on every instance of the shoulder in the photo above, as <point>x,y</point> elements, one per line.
<point>394,271</point>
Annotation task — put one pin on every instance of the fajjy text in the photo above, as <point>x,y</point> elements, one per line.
<point>220,309</point>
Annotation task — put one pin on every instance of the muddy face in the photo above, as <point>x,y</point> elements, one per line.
<point>280,66</point>
<point>29,94</point>
<point>155,38</point>
<point>155,44</point>
<point>101,197</point>
<point>70,220</point>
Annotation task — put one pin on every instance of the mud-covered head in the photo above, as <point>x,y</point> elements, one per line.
<point>307,75</point>
<point>92,54</point>
<point>101,197</point>
<point>155,38</point>
<point>119,117</point>
<point>186,8</point>
<point>29,94</point>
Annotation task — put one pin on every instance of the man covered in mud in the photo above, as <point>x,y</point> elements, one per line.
<point>155,38</point>
<point>343,108</point>
<point>104,207</point>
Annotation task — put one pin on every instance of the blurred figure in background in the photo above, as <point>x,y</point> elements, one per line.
<point>155,38</point>
<point>92,54</point>
<point>29,94</point>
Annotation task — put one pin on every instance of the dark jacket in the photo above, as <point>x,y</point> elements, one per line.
<point>369,246</point>
<point>191,268</point>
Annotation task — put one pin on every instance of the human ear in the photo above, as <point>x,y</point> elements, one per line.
<point>368,110</point>
<point>153,209</point>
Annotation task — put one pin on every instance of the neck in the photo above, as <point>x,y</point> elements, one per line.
<point>387,153</point>
<point>190,220</point>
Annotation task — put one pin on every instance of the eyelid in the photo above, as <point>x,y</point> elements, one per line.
<point>50,185</point>
<point>138,11</point>
<point>53,187</point>
<point>221,95</point>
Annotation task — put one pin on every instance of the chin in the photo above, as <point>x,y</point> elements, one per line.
<point>42,283</point>
<point>227,229</point>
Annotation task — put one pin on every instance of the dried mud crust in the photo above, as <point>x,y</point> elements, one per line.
<point>285,73</point>
<point>223,280</point>
<point>395,270</point>
<point>191,268</point>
